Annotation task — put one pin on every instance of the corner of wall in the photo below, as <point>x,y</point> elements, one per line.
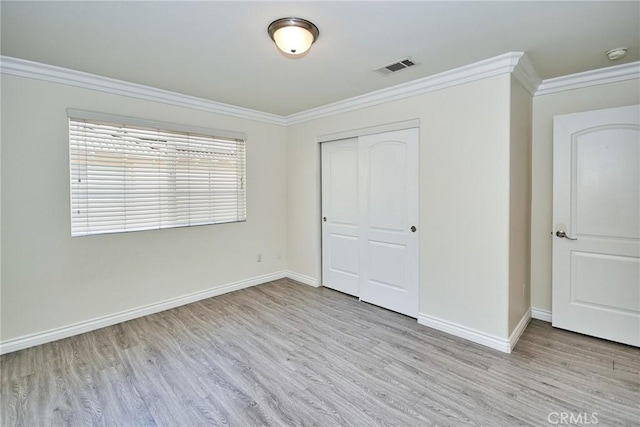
<point>519,204</point>
<point>285,252</point>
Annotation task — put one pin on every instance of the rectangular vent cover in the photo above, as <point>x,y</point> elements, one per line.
<point>403,64</point>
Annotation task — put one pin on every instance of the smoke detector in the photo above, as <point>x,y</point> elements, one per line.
<point>617,53</point>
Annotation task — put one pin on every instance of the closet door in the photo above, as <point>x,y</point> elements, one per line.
<point>388,188</point>
<point>340,216</point>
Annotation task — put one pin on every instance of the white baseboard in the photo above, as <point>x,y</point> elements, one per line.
<point>302,278</point>
<point>488,340</point>
<point>478,337</point>
<point>31,340</point>
<point>517,332</point>
<point>538,313</point>
<point>15,344</point>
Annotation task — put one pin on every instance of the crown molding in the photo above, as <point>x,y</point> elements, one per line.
<point>511,62</point>
<point>601,76</point>
<point>51,73</point>
<point>526,74</point>
<point>501,64</point>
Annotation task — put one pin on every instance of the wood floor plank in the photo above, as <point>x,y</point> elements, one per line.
<point>286,354</point>
<point>128,409</point>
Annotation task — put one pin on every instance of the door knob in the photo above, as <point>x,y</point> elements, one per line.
<point>561,233</point>
<point>324,218</point>
<point>413,228</point>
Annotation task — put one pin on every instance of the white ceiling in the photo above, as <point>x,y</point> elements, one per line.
<point>221,50</point>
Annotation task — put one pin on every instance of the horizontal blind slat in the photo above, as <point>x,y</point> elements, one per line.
<point>128,178</point>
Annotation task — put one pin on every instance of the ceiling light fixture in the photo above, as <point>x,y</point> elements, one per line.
<point>293,36</point>
<point>617,53</point>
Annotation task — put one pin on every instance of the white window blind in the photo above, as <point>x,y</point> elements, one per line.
<point>130,175</point>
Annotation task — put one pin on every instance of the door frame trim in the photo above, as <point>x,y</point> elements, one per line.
<point>355,133</point>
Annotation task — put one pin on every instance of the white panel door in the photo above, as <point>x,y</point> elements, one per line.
<point>596,200</point>
<point>340,215</point>
<point>389,220</point>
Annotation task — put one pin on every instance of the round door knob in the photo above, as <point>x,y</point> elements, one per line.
<point>324,218</point>
<point>413,228</point>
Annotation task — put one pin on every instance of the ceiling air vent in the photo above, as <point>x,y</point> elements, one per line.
<point>403,64</point>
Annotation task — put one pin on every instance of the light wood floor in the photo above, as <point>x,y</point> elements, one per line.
<point>288,354</point>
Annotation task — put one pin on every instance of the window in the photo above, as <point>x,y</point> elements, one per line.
<point>130,174</point>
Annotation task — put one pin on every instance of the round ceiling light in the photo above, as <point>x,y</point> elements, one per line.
<point>293,36</point>
<point>617,53</point>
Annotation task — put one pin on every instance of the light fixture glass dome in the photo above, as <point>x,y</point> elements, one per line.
<point>293,40</point>
<point>293,36</point>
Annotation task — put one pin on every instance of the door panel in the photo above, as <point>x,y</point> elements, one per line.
<point>340,231</point>
<point>388,209</point>
<point>596,278</point>
<point>388,264</point>
<point>605,281</point>
<point>344,254</point>
<point>607,182</point>
<point>386,192</point>
<point>343,178</point>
